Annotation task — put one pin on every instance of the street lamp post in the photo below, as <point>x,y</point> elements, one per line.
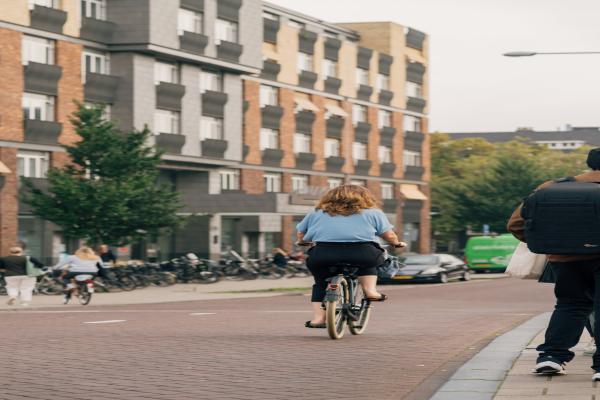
<point>535,53</point>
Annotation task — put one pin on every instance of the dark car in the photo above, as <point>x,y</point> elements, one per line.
<point>430,268</point>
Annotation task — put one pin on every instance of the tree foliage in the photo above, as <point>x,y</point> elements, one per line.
<point>475,182</point>
<point>109,192</point>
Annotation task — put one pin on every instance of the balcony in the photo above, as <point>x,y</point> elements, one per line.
<point>304,121</point>
<point>272,157</point>
<point>415,104</point>
<point>170,142</point>
<point>193,42</point>
<point>387,169</point>
<point>168,96</point>
<point>270,30</point>
<point>271,116</point>
<point>385,63</point>
<point>335,163</point>
<point>307,79</point>
<point>364,92</point>
<point>332,85</point>
<point>390,206</point>
<point>363,58</point>
<point>305,160</point>
<point>386,136</point>
<point>411,211</point>
<point>361,132</point>
<point>362,167</point>
<point>413,141</point>
<point>213,103</point>
<point>415,72</point>
<point>415,39</point>
<point>332,48</point>
<point>196,5</point>
<point>42,78</point>
<point>306,41</point>
<point>413,173</point>
<point>213,148</point>
<point>100,88</point>
<point>229,51</point>
<point>270,69</point>
<point>47,18</point>
<point>97,30</point>
<point>334,127</point>
<point>385,97</point>
<point>41,132</point>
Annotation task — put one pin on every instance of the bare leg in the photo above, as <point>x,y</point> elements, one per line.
<point>318,313</point>
<point>369,283</point>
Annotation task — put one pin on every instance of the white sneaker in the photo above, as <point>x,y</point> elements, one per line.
<point>596,377</point>
<point>66,300</point>
<point>548,368</point>
<point>11,301</point>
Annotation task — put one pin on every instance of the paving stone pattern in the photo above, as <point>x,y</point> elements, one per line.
<point>253,348</point>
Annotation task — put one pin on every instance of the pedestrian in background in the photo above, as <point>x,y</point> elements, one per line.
<point>279,257</point>
<point>107,255</point>
<point>19,274</point>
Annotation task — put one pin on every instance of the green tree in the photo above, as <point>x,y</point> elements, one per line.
<point>109,192</point>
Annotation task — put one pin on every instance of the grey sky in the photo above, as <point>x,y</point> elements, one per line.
<point>474,88</point>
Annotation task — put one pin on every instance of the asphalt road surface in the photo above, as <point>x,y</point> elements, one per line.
<point>257,348</point>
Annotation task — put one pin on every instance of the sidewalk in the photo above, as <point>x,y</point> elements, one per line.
<point>576,384</point>
<point>182,292</point>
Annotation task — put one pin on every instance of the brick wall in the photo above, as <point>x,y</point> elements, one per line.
<point>252,122</point>
<point>11,86</point>
<point>373,146</point>
<point>398,145</point>
<point>318,134</point>
<point>9,203</point>
<point>287,127</point>
<point>252,181</point>
<point>70,88</point>
<point>347,139</point>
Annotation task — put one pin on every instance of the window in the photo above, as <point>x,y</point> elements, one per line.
<point>272,182</point>
<point>230,179</point>
<point>411,158</point>
<point>412,124</point>
<point>329,68</point>
<point>414,90</point>
<point>44,3</point>
<point>300,183</point>
<point>93,9</point>
<point>358,182</point>
<point>94,62</point>
<point>165,72</point>
<point>269,96</point>
<point>387,191</point>
<point>166,121</point>
<point>296,24</point>
<point>383,82</point>
<point>38,106</point>
<point>226,31</point>
<point>384,118</point>
<point>305,62</point>
<point>359,113</point>
<point>32,164</point>
<point>269,139</point>
<point>271,16</point>
<point>301,143</point>
<point>362,77</point>
<point>105,111</point>
<point>385,154</point>
<point>211,128</point>
<point>211,80</point>
<point>334,182</point>
<point>37,50</point>
<point>359,151</point>
<point>189,21</point>
<point>332,147</point>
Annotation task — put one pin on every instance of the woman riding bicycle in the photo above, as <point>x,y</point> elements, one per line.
<point>345,227</point>
<point>84,262</point>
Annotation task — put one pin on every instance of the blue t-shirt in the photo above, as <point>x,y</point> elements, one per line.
<point>365,226</point>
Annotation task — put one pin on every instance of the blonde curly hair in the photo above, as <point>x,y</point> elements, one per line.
<point>346,200</point>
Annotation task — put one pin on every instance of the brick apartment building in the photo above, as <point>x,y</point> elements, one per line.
<point>258,108</point>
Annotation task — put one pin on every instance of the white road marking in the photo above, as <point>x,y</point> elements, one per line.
<point>111,321</point>
<point>203,313</point>
<point>285,311</point>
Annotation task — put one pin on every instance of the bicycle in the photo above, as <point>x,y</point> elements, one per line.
<point>345,303</point>
<point>84,284</point>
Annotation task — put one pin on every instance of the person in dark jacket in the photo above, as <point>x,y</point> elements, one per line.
<point>107,255</point>
<point>576,277</point>
<point>18,284</point>
<point>279,257</point>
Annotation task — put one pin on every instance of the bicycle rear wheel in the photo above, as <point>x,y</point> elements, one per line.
<point>358,327</point>
<point>84,297</point>
<point>335,317</point>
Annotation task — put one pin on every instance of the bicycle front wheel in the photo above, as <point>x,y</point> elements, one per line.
<point>363,311</point>
<point>335,317</point>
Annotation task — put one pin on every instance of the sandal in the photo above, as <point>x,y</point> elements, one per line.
<point>383,297</point>
<point>317,326</point>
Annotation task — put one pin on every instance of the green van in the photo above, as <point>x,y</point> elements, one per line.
<point>490,253</point>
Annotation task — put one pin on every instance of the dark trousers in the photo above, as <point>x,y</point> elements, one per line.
<point>323,258</point>
<point>576,298</point>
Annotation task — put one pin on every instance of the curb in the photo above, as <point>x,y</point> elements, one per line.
<point>481,376</point>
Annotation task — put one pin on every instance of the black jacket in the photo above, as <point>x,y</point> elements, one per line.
<point>17,265</point>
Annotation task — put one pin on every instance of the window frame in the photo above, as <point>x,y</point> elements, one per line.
<point>387,191</point>
<point>334,182</point>
<point>411,158</point>
<point>299,183</point>
<point>223,31</point>
<point>47,3</point>
<point>41,161</point>
<point>304,60</point>
<point>209,125</point>
<point>384,119</point>
<point>171,118</point>
<point>46,105</point>
<point>267,137</point>
<point>272,182</point>
<point>332,147</point>
<point>196,19</point>
<point>161,71</point>
<point>360,151</point>
<point>268,95</point>
<point>412,122</point>
<point>381,78</point>
<point>30,45</point>
<point>414,90</point>
<point>385,154</point>
<point>208,79</point>
<point>357,111</point>
<point>94,56</point>
<point>87,8</point>
<point>326,66</point>
<point>362,77</point>
<point>302,143</point>
<point>229,179</point>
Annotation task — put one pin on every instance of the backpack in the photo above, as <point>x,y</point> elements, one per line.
<point>563,218</point>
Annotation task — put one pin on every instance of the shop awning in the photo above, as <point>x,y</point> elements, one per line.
<point>4,169</point>
<point>303,104</point>
<point>336,110</point>
<point>412,192</point>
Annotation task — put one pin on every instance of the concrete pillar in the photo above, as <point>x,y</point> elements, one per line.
<point>214,237</point>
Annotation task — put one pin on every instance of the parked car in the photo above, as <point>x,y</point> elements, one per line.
<point>490,253</point>
<point>430,268</point>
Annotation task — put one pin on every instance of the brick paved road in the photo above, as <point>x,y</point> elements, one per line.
<point>253,348</point>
